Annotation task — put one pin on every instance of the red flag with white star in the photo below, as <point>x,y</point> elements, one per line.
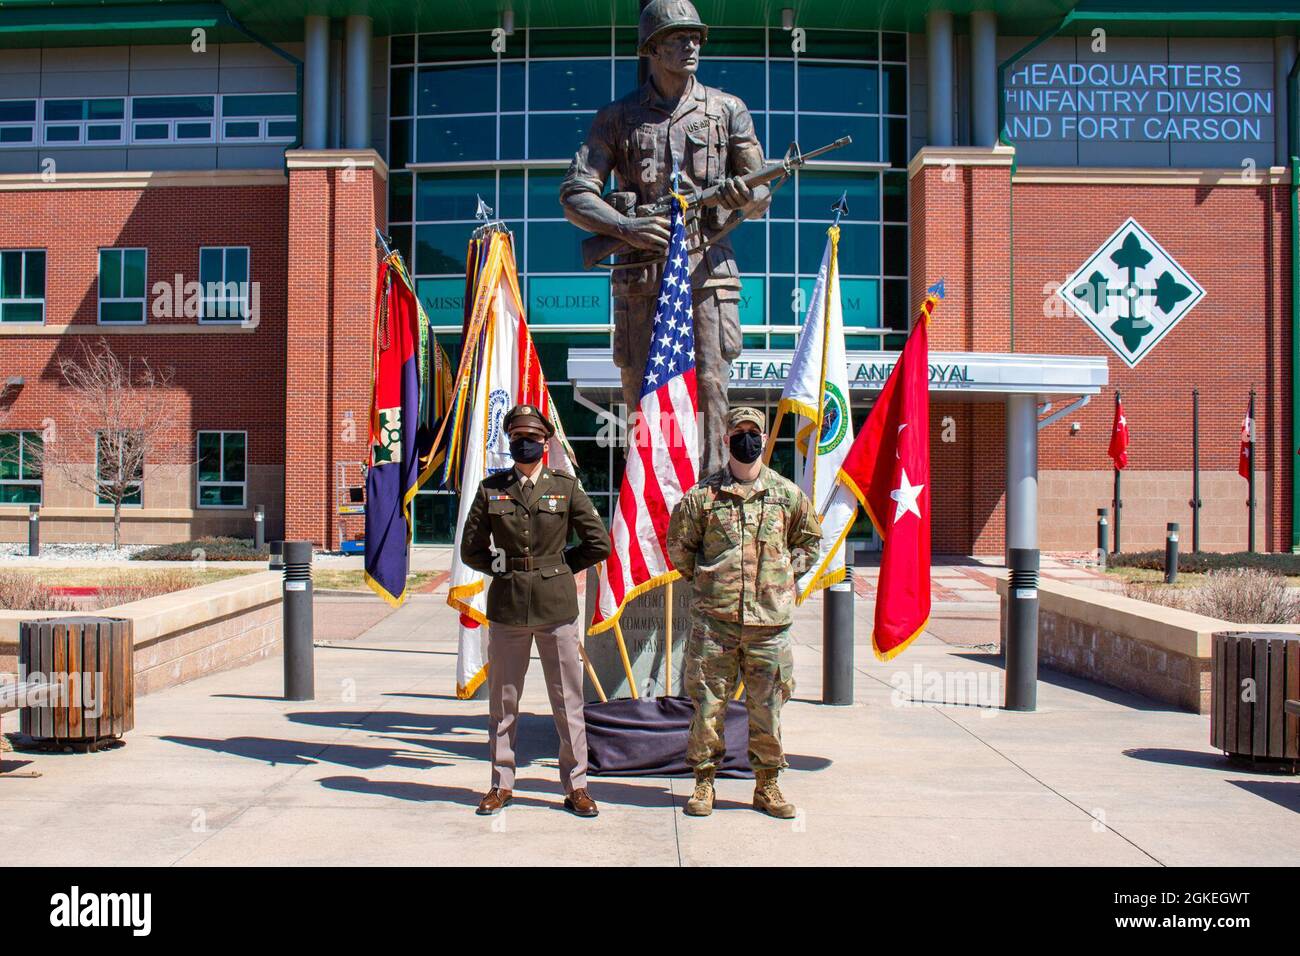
<point>888,469</point>
<point>1118,449</point>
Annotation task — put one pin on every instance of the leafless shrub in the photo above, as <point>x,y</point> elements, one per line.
<point>1152,593</point>
<point>137,587</point>
<point>1246,596</point>
<point>1240,595</point>
<point>24,592</point>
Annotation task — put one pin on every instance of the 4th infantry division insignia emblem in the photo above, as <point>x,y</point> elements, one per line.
<point>388,439</point>
<point>1132,292</point>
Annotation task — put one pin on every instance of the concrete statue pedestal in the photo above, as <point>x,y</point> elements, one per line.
<point>643,632</point>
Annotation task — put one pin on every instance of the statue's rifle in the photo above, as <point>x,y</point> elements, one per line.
<point>596,249</point>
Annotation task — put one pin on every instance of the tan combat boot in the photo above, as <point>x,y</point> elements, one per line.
<point>768,797</point>
<point>701,802</point>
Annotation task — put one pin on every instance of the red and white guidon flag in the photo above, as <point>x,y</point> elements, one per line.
<point>1247,446</point>
<point>663,456</point>
<point>1118,449</point>
<point>888,470</point>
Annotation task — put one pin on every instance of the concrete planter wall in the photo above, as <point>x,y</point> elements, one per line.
<point>186,634</point>
<point>1158,652</point>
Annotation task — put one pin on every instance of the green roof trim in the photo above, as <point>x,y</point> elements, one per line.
<point>282,19</point>
<point>31,25</point>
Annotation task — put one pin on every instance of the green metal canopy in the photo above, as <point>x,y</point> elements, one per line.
<point>68,22</point>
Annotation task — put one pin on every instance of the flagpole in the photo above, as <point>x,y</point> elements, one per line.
<point>1118,503</point>
<point>668,639</point>
<point>591,672</point>
<point>1196,470</point>
<point>627,664</point>
<point>837,606</point>
<point>1250,500</point>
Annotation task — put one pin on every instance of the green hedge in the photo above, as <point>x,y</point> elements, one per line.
<point>1280,563</point>
<point>214,549</point>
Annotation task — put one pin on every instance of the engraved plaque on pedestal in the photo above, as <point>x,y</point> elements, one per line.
<point>643,632</point>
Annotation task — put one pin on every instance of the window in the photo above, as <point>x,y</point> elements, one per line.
<point>173,119</point>
<point>119,463</point>
<point>233,118</point>
<point>17,123</point>
<point>223,469</point>
<point>95,122</point>
<point>22,285</point>
<point>514,122</point>
<point>121,285</point>
<point>260,117</point>
<point>223,273</point>
<point>20,468</point>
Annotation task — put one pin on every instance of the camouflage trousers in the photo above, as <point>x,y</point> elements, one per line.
<point>717,653</point>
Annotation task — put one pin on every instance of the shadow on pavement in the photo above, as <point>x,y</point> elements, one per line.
<point>274,751</point>
<point>1083,685</point>
<point>1286,795</point>
<point>1182,758</point>
<point>419,792</point>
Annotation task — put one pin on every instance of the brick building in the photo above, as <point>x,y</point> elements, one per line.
<point>260,146</point>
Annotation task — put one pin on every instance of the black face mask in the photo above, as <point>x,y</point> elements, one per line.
<point>525,450</point>
<point>746,447</point>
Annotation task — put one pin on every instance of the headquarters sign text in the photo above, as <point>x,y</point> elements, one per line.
<point>1136,102</point>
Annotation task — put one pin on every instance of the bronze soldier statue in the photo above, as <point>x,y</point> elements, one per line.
<point>672,121</point>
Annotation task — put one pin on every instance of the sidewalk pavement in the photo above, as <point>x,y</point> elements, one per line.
<point>386,766</point>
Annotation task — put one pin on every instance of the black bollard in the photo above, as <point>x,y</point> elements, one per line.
<point>299,675</point>
<point>34,530</point>
<point>259,527</point>
<point>1022,630</point>
<point>837,642</point>
<point>1103,535</point>
<point>277,555</point>
<point>1171,552</point>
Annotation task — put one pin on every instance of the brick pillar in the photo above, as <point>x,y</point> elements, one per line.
<point>336,201</point>
<point>961,233</point>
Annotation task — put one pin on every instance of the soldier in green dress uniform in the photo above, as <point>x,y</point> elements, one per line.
<point>531,514</point>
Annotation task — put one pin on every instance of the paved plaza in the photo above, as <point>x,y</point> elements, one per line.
<point>386,766</point>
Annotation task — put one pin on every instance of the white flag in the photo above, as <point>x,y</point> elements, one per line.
<point>817,391</point>
<point>507,373</point>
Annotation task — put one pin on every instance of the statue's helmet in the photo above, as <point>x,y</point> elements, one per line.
<point>660,16</point>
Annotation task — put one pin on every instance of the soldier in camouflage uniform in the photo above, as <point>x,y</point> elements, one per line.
<point>742,535</point>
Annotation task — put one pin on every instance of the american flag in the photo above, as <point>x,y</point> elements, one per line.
<point>663,454</point>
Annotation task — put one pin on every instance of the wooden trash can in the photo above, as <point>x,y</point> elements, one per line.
<point>1253,674</point>
<point>90,662</point>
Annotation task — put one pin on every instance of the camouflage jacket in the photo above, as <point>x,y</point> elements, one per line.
<point>743,547</point>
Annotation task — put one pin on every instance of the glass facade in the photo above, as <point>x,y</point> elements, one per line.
<point>468,122</point>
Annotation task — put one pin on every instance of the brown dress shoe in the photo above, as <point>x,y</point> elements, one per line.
<point>580,804</point>
<point>495,801</point>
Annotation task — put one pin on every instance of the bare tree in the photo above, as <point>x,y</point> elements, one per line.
<point>116,419</point>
